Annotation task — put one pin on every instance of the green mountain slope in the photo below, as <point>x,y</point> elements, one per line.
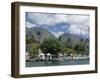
<point>39,34</point>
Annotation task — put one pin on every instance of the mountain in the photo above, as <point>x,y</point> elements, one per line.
<point>73,39</point>
<point>39,34</point>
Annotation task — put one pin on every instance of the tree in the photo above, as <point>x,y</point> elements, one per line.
<point>68,43</point>
<point>39,35</point>
<point>68,51</point>
<point>87,47</point>
<point>80,48</point>
<point>51,46</point>
<point>59,38</point>
<point>28,40</point>
<point>33,49</point>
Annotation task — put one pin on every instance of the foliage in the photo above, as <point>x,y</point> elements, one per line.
<point>80,48</point>
<point>28,40</point>
<point>33,49</point>
<point>50,46</point>
<point>69,51</point>
<point>67,43</point>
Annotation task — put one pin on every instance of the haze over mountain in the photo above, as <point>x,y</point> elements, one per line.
<point>74,39</point>
<point>39,34</point>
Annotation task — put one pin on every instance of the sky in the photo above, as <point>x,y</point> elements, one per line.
<point>59,24</point>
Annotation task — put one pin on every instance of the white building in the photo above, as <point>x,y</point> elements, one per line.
<point>41,55</point>
<point>48,56</point>
<point>27,56</point>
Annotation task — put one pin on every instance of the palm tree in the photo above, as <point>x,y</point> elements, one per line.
<point>59,38</point>
<point>69,42</point>
<point>39,34</point>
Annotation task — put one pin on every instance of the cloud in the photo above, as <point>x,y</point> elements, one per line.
<point>29,25</point>
<point>61,18</point>
<point>64,27</point>
<point>51,19</point>
<point>78,29</point>
<point>57,34</point>
<point>77,22</point>
<point>77,19</point>
<point>55,28</point>
<point>41,18</point>
<point>46,18</point>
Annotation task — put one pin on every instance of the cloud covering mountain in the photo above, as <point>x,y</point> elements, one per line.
<point>59,24</point>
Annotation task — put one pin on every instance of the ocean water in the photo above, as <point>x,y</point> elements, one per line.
<point>57,63</point>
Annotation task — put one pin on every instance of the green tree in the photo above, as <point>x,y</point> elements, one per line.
<point>87,47</point>
<point>33,49</point>
<point>68,43</point>
<point>39,35</point>
<point>59,38</point>
<point>50,46</point>
<point>28,40</point>
<point>80,48</point>
<point>69,51</point>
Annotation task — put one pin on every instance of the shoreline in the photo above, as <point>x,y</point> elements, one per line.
<point>59,59</point>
